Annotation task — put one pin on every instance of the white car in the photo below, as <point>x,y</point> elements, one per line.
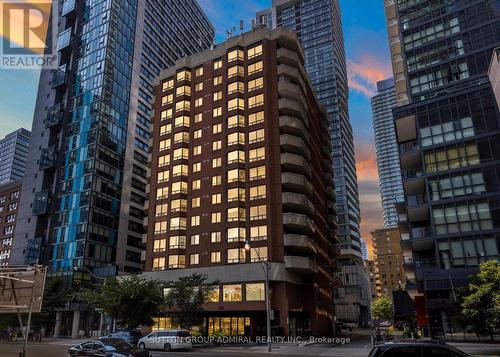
<point>166,340</point>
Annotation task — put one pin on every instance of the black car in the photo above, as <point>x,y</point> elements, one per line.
<point>131,337</point>
<point>415,349</point>
<point>107,347</point>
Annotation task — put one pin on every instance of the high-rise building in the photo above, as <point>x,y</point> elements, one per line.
<point>386,148</point>
<point>370,270</point>
<point>9,205</point>
<point>364,249</point>
<point>318,26</point>
<point>388,259</point>
<point>13,155</point>
<point>241,155</point>
<point>448,129</point>
<point>85,184</point>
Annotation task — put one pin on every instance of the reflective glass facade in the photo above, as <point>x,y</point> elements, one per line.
<point>13,155</point>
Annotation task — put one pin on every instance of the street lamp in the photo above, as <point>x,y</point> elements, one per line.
<point>265,266</point>
<point>100,311</point>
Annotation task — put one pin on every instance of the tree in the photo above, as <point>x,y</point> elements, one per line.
<point>481,302</point>
<point>132,300</point>
<point>55,297</point>
<point>382,308</point>
<point>186,295</point>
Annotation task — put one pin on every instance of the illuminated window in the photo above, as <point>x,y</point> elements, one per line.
<point>177,223</point>
<point>216,128</point>
<point>197,150</point>
<point>235,71</point>
<point>218,95</point>
<point>236,234</point>
<point>183,90</point>
<point>195,202</point>
<point>236,156</point>
<point>258,212</point>
<point>236,255</point>
<point>236,175</point>
<point>198,71</point>
<point>216,180</point>
<point>179,170</point>
<point>167,99</point>
<point>236,138</point>
<point>218,64</point>
<point>198,117</point>
<point>196,184</point>
<point>236,103</point>
<point>179,187</point>
<point>182,105</point>
<point>198,86</point>
<point>183,76</point>
<point>195,239</point>
<point>216,198</point>
<point>255,292</point>
<point>255,84</point>
<point>256,136</point>
<point>257,173</point>
<point>179,205</point>
<point>165,144</point>
<point>195,221</point>
<point>236,214</point>
<point>257,192</point>
<point>257,154</point>
<point>258,254</point>
<point>236,120</point>
<point>256,101</point>
<point>236,194</point>
<point>194,259</point>
<point>232,292</point>
<point>217,162</point>
<point>167,114</point>
<point>197,134</point>
<point>255,67</point>
<point>181,153</point>
<point>160,227</point>
<point>181,137</point>
<point>159,245</point>
<point>161,210</point>
<point>213,295</point>
<point>254,51</point>
<point>216,217</point>
<point>451,157</point>
<point>215,237</point>
<point>165,129</point>
<point>215,257</point>
<point>258,233</point>
<point>164,160</point>
<point>255,118</point>
<point>159,263</point>
<point>235,55</point>
<point>169,84</point>
<point>217,112</point>
<point>176,261</point>
<point>217,80</point>
<point>236,87</point>
<point>197,167</point>
<point>177,242</point>
<point>198,102</point>
<point>163,176</point>
<point>181,121</point>
<point>217,145</point>
<point>161,193</point>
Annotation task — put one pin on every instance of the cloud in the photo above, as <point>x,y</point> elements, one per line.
<point>366,161</point>
<point>365,72</point>
<point>371,211</point>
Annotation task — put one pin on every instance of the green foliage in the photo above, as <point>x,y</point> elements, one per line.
<point>382,308</point>
<point>185,296</point>
<point>132,300</point>
<point>481,301</point>
<point>55,297</point>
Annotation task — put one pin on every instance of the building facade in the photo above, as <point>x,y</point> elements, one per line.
<point>370,270</point>
<point>386,148</point>
<point>494,74</point>
<point>318,26</point>
<point>388,260</point>
<point>9,205</point>
<point>85,185</point>
<point>13,155</point>
<point>240,155</point>
<point>448,130</point>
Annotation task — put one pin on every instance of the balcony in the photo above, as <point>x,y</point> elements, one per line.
<point>64,40</point>
<point>41,203</point>
<point>294,126</point>
<point>410,155</point>
<point>59,78</point>
<point>300,243</point>
<point>54,116</point>
<point>296,183</point>
<point>68,8</point>
<point>406,129</point>
<point>414,185</point>
<point>302,265</point>
<point>298,223</point>
<point>289,90</point>
<point>407,260</point>
<point>288,57</point>
<point>33,251</point>
<point>295,145</point>
<point>297,203</point>
<point>421,238</point>
<point>417,209</point>
<point>288,71</point>
<point>48,158</point>
<point>295,163</point>
<point>292,108</point>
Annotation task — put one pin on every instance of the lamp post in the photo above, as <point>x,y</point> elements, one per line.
<point>265,266</point>
<point>100,311</point>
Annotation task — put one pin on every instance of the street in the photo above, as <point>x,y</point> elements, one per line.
<point>359,347</point>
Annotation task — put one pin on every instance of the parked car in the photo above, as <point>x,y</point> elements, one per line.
<point>167,340</point>
<point>131,337</point>
<point>416,349</point>
<point>107,347</point>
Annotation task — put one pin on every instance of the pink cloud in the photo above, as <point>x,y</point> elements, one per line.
<point>365,72</point>
<point>366,161</point>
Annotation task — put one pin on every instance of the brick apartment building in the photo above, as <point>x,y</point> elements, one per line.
<point>9,205</point>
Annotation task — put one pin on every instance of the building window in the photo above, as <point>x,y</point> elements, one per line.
<point>257,154</point>
<point>159,245</point>
<point>167,99</point>
<point>236,175</point>
<point>164,144</point>
<point>183,76</point>
<point>255,118</point>
<point>161,193</point>
<point>216,180</point>
<point>168,84</point>
<point>236,194</point>
<point>176,261</point>
<point>236,138</point>
<point>236,87</point>
<point>179,205</point>
<point>257,173</point>
<point>195,239</point>
<point>197,167</point>
<point>179,187</point>
<point>216,145</point>
<point>198,71</point>
<point>257,192</point>
<point>161,210</point>
<point>195,221</point>
<point>236,103</point>
<point>180,170</point>
<point>236,120</point>
<point>235,55</point>
<point>255,84</point>
<point>456,186</point>
<point>182,105</point>
<point>217,112</point>
<point>215,257</point>
<point>197,134</point>
<point>451,158</point>
<point>218,64</point>
<point>462,218</point>
<point>183,90</point>
<point>198,102</point>
<point>198,117</point>
<point>167,114</point>
<point>177,242</point>
<point>197,150</point>
<point>163,176</point>
<point>195,202</point>
<point>236,214</point>
<point>236,156</point>
<point>254,51</point>
<point>258,254</point>
<point>235,71</point>
<point>236,255</point>
<point>181,137</point>
<point>213,295</point>
<point>216,128</point>
<point>177,223</point>
<point>236,234</point>
<point>258,212</point>
<point>216,198</point>
<point>467,252</point>
<point>164,160</point>
<point>256,136</point>
<point>181,153</point>
<point>194,259</point>
<point>255,292</point>
<point>215,237</point>
<point>217,162</point>
<point>196,184</point>
<point>217,96</point>
<point>217,80</point>
<point>159,263</point>
<point>258,233</point>
<point>198,87</point>
<point>254,67</point>
<point>165,129</point>
<point>232,292</point>
<point>255,101</point>
<point>181,121</point>
<point>445,132</point>
<point>216,217</point>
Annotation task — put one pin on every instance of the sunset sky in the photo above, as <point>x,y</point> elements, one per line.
<point>367,58</point>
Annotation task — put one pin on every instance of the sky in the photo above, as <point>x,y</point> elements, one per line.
<point>368,61</point>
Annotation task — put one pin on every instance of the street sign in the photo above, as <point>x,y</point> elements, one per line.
<point>21,288</point>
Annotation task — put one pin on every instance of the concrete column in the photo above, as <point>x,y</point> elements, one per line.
<point>57,328</point>
<point>76,324</point>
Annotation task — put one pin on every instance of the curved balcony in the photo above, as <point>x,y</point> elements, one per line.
<point>410,155</point>
<point>302,265</point>
<point>295,163</point>
<point>298,223</point>
<point>294,126</point>
<point>289,90</point>
<point>296,183</point>
<point>288,71</point>
<point>300,243</point>
<point>297,203</point>
<point>294,144</point>
<point>288,57</point>
<point>292,108</point>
